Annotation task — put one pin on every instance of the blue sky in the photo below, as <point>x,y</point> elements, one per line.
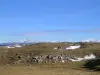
<point>59,20</point>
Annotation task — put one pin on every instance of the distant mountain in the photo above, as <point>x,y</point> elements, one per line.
<point>28,42</point>
<point>14,43</point>
<point>92,40</point>
<point>23,42</point>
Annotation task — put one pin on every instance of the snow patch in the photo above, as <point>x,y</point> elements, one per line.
<point>91,56</point>
<point>73,47</point>
<point>87,57</point>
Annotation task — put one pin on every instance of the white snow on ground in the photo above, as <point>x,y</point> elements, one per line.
<point>91,56</point>
<point>9,47</point>
<point>15,46</point>
<point>73,47</point>
<point>78,59</point>
<point>87,57</point>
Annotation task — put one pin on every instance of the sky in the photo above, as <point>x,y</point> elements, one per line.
<point>52,20</point>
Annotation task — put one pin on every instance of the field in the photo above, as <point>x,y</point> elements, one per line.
<point>68,68</point>
<point>36,70</point>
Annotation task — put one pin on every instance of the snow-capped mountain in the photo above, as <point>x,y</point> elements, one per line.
<point>22,42</point>
<point>92,40</point>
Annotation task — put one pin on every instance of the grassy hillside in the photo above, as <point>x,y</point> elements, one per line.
<point>47,48</point>
<point>68,68</point>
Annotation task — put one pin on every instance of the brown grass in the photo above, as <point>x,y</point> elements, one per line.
<point>36,70</point>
